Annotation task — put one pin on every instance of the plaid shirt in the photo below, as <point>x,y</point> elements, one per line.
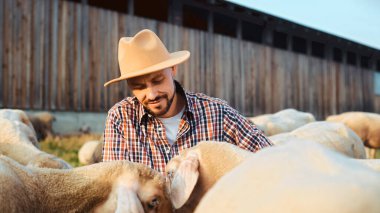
<point>133,134</point>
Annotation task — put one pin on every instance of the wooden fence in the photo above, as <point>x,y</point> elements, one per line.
<point>56,55</point>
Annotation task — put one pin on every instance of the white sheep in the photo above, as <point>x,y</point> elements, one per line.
<point>282,121</point>
<point>118,186</point>
<point>295,178</point>
<point>15,142</point>
<point>372,163</point>
<point>43,124</point>
<point>336,136</point>
<point>90,152</point>
<point>366,125</point>
<point>196,170</point>
<point>20,116</point>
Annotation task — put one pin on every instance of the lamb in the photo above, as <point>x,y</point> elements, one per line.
<point>43,124</point>
<point>336,136</point>
<point>15,143</point>
<point>196,169</point>
<point>282,121</point>
<point>118,186</point>
<point>20,116</point>
<point>90,152</point>
<point>366,125</point>
<point>295,178</point>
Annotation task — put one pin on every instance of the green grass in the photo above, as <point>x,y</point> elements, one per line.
<point>67,147</point>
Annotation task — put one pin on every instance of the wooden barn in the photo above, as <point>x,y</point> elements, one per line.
<point>56,55</point>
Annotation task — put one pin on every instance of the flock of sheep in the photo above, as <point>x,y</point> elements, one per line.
<point>314,166</point>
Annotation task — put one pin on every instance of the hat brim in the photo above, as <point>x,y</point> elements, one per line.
<point>175,58</point>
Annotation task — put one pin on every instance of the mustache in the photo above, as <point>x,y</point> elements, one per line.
<point>156,99</point>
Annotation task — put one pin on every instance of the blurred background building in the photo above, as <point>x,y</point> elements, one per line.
<point>56,55</point>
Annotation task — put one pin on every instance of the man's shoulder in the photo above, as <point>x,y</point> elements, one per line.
<point>125,104</point>
<point>200,98</point>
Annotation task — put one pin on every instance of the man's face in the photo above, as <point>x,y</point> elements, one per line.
<point>155,91</point>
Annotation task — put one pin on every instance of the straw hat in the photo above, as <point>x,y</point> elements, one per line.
<point>143,54</point>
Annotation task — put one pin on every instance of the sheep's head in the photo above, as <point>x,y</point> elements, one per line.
<point>138,189</point>
<point>153,197</point>
<point>43,124</point>
<point>151,190</point>
<point>26,133</point>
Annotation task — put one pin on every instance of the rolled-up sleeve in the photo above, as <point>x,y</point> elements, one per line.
<point>114,144</point>
<point>243,133</point>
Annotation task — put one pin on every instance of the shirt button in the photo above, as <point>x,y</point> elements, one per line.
<point>159,129</point>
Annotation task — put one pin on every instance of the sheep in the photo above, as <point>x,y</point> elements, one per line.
<point>90,152</point>
<point>372,163</point>
<point>261,122</point>
<point>282,121</point>
<point>196,170</point>
<point>118,186</point>
<point>16,115</point>
<point>336,136</point>
<point>366,125</point>
<point>295,178</point>
<point>21,116</point>
<point>15,143</point>
<point>85,129</point>
<point>43,124</point>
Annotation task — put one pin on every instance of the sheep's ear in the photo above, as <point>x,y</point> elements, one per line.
<point>184,180</point>
<point>127,200</point>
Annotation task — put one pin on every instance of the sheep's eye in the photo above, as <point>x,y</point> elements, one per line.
<point>153,203</point>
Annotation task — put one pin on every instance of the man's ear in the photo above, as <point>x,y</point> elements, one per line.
<point>174,71</point>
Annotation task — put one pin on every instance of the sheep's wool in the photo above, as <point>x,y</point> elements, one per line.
<point>296,177</point>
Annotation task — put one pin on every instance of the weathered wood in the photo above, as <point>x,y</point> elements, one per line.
<point>16,54</point>
<point>2,48</point>
<point>93,22</point>
<point>101,58</point>
<point>85,35</point>
<point>25,52</point>
<point>69,58</point>
<point>56,55</point>
<point>53,67</point>
<point>35,30</point>
<point>40,39</point>
<point>77,69</point>
<point>62,27</point>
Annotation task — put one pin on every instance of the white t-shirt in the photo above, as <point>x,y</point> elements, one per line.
<point>171,126</point>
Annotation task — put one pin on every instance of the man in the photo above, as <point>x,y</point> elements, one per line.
<point>162,119</point>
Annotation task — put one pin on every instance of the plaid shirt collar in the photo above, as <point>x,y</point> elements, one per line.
<point>143,114</point>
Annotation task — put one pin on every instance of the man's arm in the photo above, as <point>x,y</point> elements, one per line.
<point>113,139</point>
<point>243,133</point>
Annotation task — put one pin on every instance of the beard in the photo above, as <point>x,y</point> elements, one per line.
<point>162,110</point>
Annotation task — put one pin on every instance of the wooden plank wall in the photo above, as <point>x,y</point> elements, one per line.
<point>56,55</point>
